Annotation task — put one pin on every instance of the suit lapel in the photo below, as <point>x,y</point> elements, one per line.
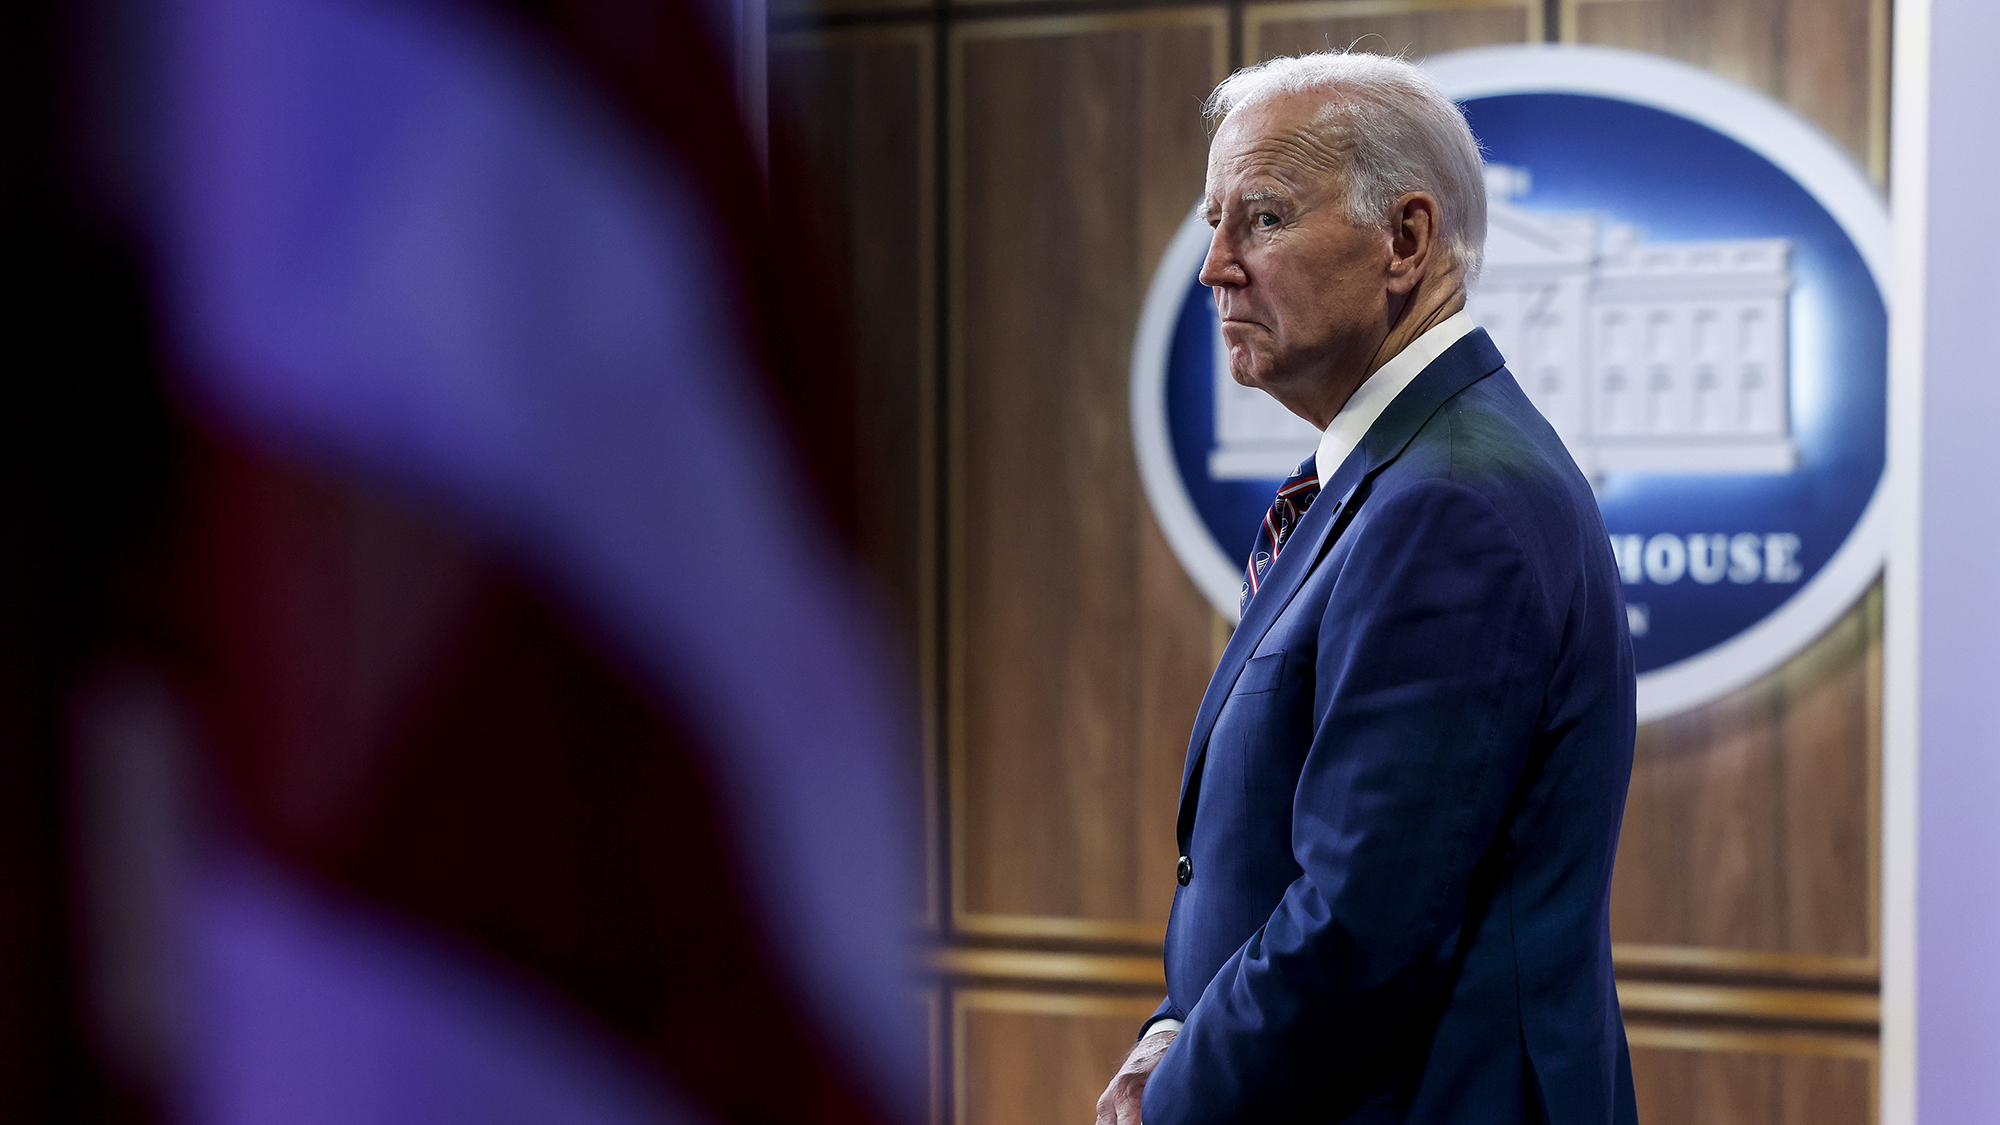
<point>1466,362</point>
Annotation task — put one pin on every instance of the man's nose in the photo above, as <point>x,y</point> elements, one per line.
<point>1221,267</point>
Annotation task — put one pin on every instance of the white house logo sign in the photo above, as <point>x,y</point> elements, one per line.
<point>1686,279</point>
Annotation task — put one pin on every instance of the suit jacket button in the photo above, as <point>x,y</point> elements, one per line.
<point>1184,871</point>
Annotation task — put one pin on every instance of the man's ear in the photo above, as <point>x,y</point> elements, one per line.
<point>1413,226</point>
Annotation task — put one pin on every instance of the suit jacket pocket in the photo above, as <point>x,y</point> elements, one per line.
<point>1261,674</point>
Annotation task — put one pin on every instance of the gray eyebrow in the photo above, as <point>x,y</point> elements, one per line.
<point>1265,194</point>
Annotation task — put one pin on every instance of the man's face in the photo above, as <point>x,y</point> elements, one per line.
<point>1300,290</point>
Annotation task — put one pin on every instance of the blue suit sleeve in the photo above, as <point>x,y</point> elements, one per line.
<point>1432,660</point>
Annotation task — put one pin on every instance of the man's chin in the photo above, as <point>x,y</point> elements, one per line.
<point>1257,381</point>
<point>1252,376</point>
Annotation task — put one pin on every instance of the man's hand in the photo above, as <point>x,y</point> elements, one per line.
<point>1119,1104</point>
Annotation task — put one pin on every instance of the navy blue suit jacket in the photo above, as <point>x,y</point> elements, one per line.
<point>1403,791</point>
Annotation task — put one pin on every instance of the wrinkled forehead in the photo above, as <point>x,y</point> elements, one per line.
<point>1291,138</point>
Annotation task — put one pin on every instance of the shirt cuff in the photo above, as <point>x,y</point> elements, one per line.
<point>1157,1026</point>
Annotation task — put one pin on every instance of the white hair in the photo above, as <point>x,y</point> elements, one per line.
<point>1398,131</point>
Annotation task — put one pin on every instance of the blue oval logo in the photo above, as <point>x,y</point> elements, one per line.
<point>1686,279</point>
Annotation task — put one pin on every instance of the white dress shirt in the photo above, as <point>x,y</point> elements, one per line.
<point>1349,426</point>
<point>1377,391</point>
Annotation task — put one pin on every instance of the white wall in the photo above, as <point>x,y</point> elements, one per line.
<point>1942,793</point>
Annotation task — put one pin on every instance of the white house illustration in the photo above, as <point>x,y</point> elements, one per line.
<point>1645,357</point>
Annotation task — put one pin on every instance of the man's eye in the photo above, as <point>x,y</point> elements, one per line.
<point>1265,220</point>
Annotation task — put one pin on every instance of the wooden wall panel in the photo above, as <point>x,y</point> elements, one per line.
<point>1028,1058</point>
<point>858,108</point>
<point>1079,650</point>
<point>1417,29</point>
<point>1830,1083</point>
<point>1749,825</point>
<point>1827,59</point>
<point>1700,859</point>
<point>859,105</point>
<point>1832,728</point>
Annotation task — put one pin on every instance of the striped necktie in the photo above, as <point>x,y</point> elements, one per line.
<point>1286,511</point>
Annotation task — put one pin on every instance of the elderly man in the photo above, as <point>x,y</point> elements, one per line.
<point>1403,789</point>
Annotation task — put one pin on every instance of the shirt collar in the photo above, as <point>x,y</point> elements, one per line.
<point>1377,391</point>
